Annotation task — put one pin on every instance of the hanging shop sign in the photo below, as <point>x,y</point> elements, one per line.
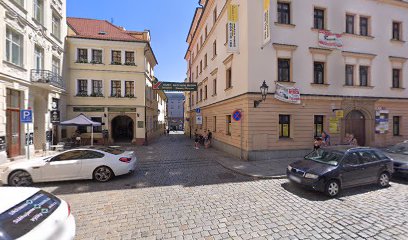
<point>287,94</point>
<point>233,29</point>
<point>339,114</point>
<point>334,125</point>
<point>381,121</point>
<point>266,22</point>
<point>55,116</point>
<point>328,39</point>
<point>175,86</point>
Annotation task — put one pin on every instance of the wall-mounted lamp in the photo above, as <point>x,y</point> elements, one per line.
<point>264,92</point>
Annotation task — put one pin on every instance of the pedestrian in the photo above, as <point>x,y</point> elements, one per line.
<point>317,143</point>
<point>326,139</point>
<point>353,140</point>
<point>209,138</point>
<point>196,140</point>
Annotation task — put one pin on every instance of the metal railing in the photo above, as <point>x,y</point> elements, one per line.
<point>46,76</point>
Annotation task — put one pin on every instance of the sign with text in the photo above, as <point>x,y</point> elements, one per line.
<point>55,116</point>
<point>381,121</point>
<point>175,86</point>
<point>328,39</point>
<point>334,125</point>
<point>199,120</point>
<point>266,22</point>
<point>233,29</point>
<point>287,94</point>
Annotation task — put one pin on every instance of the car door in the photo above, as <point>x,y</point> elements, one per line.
<point>350,172</point>
<point>371,165</point>
<point>64,166</point>
<point>90,161</point>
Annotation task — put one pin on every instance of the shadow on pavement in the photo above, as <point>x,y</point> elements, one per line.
<point>400,179</point>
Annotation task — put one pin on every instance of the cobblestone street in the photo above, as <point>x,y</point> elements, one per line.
<point>182,193</point>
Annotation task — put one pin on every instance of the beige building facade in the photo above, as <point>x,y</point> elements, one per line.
<point>357,87</point>
<point>32,37</point>
<point>110,72</point>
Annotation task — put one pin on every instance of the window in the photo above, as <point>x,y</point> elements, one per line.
<point>283,70</point>
<point>205,92</point>
<point>396,31</point>
<point>71,155</point>
<point>129,89</point>
<point>226,33</point>
<point>38,10</point>
<point>197,71</point>
<point>228,83</point>
<point>215,87</point>
<point>82,55</point>
<point>283,13</point>
<point>129,58</point>
<point>368,156</point>
<point>116,88</point>
<point>56,66</point>
<point>97,129</point>
<point>96,56</point>
<point>19,2</point>
<point>349,75</point>
<point>351,159</point>
<point>97,88</point>
<point>56,26</point>
<point>318,18</point>
<point>364,26</point>
<point>205,61</point>
<point>396,125</point>
<point>318,125</point>
<point>14,47</point>
<point>206,32</point>
<point>38,58</point>
<point>319,73</point>
<point>214,123</point>
<point>350,24</point>
<point>201,66</point>
<point>116,57</point>
<point>284,126</point>
<point>201,94</point>
<point>201,41</point>
<point>364,75</point>
<point>228,125</point>
<point>192,100</point>
<point>215,49</point>
<point>215,15</point>
<point>82,88</point>
<point>197,98</point>
<point>396,78</point>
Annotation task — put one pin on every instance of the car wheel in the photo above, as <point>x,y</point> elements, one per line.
<point>384,180</point>
<point>20,178</point>
<point>103,174</point>
<point>332,188</point>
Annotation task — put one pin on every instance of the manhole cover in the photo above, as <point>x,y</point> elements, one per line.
<point>226,176</point>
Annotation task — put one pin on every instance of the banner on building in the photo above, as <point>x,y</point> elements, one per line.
<point>233,29</point>
<point>334,125</point>
<point>328,39</point>
<point>287,94</point>
<point>381,121</point>
<point>266,22</point>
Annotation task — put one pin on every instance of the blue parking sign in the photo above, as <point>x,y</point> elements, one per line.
<point>26,116</point>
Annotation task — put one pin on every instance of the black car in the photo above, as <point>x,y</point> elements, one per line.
<point>331,169</point>
<point>399,155</point>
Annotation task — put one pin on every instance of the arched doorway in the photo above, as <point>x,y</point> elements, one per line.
<point>122,129</point>
<point>355,124</point>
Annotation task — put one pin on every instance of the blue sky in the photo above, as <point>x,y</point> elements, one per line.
<point>168,22</point>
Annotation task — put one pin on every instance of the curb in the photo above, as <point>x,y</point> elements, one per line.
<point>252,175</point>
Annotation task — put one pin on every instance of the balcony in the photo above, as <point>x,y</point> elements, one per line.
<point>47,77</point>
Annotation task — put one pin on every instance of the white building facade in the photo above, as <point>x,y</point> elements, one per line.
<point>32,36</point>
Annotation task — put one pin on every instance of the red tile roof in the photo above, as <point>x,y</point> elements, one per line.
<point>103,30</point>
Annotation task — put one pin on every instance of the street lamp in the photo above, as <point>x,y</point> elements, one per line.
<point>264,92</point>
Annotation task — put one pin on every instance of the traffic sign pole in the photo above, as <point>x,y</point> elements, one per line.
<point>28,141</point>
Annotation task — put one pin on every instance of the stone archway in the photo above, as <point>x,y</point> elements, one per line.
<point>356,125</point>
<point>122,129</point>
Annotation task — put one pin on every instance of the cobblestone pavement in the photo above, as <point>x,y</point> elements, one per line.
<point>182,193</point>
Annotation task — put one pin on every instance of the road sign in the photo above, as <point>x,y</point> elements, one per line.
<point>237,115</point>
<point>198,110</point>
<point>199,120</point>
<point>26,116</point>
<point>175,86</point>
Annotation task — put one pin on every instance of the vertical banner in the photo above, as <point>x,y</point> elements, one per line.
<point>266,22</point>
<point>233,29</point>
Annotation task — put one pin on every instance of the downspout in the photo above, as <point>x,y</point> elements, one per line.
<point>190,80</point>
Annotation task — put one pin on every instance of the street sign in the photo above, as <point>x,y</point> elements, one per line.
<point>237,115</point>
<point>26,116</point>
<point>175,86</point>
<point>198,110</point>
<point>199,120</point>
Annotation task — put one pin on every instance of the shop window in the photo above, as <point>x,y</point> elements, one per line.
<point>396,125</point>
<point>284,13</point>
<point>97,129</point>
<point>284,126</point>
<point>349,75</point>
<point>318,125</point>
<point>228,125</point>
<point>283,70</point>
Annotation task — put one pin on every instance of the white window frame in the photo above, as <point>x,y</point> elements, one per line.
<point>55,16</point>
<point>20,46</point>
<point>38,5</point>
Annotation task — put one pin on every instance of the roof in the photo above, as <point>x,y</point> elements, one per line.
<point>103,30</point>
<point>344,148</point>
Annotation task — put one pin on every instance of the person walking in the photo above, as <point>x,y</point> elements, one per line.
<point>196,140</point>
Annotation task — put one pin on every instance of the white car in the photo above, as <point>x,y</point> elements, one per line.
<point>99,163</point>
<point>30,213</point>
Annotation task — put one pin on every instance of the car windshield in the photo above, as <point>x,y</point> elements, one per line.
<point>26,215</point>
<point>111,150</point>
<point>401,148</point>
<point>325,156</point>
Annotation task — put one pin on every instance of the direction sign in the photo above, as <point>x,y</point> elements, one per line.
<point>26,116</point>
<point>237,115</point>
<point>175,86</point>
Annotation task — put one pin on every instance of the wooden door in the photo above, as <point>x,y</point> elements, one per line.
<point>355,124</point>
<point>13,133</point>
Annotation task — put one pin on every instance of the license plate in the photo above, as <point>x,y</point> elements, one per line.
<point>295,179</point>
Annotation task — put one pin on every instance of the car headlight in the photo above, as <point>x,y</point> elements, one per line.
<point>311,176</point>
<point>289,168</point>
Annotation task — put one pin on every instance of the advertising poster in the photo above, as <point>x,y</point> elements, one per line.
<point>233,29</point>
<point>328,39</point>
<point>334,125</point>
<point>287,94</point>
<point>266,22</point>
<point>381,121</point>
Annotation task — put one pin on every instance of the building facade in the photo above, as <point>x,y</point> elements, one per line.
<point>32,35</point>
<point>354,86</point>
<point>110,72</point>
<point>175,102</point>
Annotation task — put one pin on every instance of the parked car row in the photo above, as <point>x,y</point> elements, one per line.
<point>332,169</point>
